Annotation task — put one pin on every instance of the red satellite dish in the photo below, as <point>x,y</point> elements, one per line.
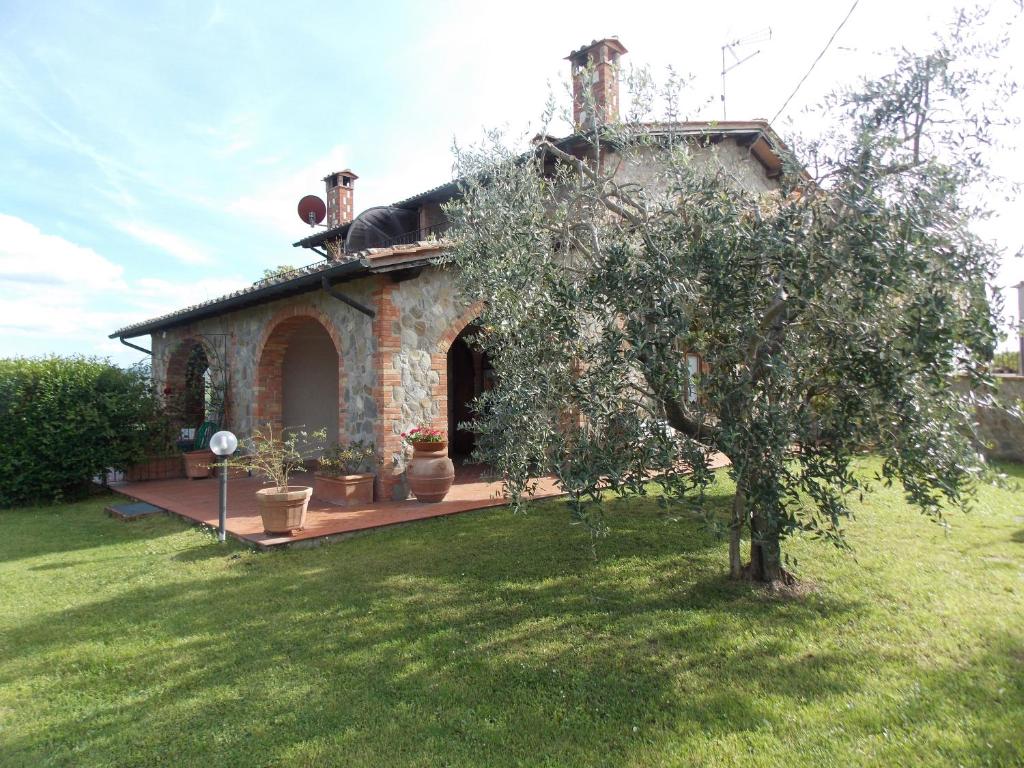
<point>312,210</point>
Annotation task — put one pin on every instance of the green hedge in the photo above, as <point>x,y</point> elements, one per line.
<point>64,420</point>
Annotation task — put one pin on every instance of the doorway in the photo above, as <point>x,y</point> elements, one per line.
<point>469,375</point>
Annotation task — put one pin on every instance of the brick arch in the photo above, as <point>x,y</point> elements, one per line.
<point>177,358</point>
<point>268,390</point>
<point>175,373</point>
<point>458,326</point>
<point>439,360</point>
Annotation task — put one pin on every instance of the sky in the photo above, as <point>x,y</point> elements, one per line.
<point>153,153</point>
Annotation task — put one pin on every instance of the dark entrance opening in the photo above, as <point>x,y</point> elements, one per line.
<point>469,375</point>
<point>197,367</point>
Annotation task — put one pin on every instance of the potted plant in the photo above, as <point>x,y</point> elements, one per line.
<point>275,457</point>
<point>346,472</point>
<point>430,473</point>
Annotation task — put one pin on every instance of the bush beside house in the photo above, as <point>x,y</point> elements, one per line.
<point>63,420</point>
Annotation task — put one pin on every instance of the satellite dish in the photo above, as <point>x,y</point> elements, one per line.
<point>312,210</point>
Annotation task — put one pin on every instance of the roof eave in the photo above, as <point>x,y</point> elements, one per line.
<point>370,262</point>
<point>323,236</point>
<point>304,283</point>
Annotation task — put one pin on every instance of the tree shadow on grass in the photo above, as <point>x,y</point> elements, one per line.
<point>484,639</point>
<point>60,529</point>
<point>467,641</point>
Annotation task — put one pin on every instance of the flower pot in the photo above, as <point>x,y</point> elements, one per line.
<point>344,490</point>
<point>430,473</point>
<point>283,512</point>
<point>197,463</point>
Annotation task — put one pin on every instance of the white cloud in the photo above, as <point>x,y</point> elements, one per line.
<point>28,256</point>
<point>175,245</point>
<point>152,297</point>
<point>274,203</point>
<point>65,298</point>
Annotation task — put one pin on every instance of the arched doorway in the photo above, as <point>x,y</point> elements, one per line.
<point>299,378</point>
<point>187,386</point>
<point>469,375</point>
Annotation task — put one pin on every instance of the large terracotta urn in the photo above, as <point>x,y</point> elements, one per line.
<point>283,510</point>
<point>431,473</point>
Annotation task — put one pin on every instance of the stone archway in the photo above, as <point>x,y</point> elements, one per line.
<point>439,361</point>
<point>469,375</point>
<point>300,374</point>
<point>186,386</point>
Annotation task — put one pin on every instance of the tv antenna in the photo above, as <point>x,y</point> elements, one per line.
<point>760,36</point>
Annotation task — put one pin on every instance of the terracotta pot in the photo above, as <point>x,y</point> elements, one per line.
<point>197,463</point>
<point>344,490</point>
<point>283,512</point>
<point>431,473</point>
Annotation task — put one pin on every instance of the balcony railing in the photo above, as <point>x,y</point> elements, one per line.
<point>407,238</point>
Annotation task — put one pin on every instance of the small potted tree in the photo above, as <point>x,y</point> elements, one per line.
<point>430,473</point>
<point>345,475</point>
<point>275,457</point>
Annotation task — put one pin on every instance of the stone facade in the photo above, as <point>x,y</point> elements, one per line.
<point>392,369</point>
<point>1002,432</point>
<point>735,159</point>
<point>416,325</point>
<point>246,335</point>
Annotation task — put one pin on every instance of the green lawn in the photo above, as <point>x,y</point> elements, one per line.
<point>494,639</point>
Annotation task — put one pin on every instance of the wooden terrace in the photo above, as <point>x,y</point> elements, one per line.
<point>197,501</point>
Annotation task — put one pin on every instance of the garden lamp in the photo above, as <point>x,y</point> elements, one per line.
<point>223,444</point>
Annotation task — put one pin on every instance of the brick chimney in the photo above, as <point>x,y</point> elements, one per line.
<point>340,199</point>
<point>603,56</point>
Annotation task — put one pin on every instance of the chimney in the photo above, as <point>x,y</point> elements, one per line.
<point>340,197</point>
<point>603,57</point>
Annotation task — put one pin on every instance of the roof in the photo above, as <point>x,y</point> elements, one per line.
<point>434,194</point>
<point>764,144</point>
<point>324,236</point>
<point>752,129</point>
<point>302,280</point>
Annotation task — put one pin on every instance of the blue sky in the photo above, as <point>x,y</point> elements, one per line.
<point>153,153</point>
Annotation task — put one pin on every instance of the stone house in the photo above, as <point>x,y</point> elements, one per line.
<point>369,340</point>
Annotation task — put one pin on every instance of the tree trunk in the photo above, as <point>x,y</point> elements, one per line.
<point>739,508</point>
<point>765,564</point>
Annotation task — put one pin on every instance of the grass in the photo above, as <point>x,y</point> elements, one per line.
<point>495,639</point>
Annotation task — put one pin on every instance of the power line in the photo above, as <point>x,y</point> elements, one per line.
<point>815,63</point>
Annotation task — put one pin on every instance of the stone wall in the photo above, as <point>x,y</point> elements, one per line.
<point>1003,433</point>
<point>733,158</point>
<point>392,371</point>
<point>419,319</point>
<point>246,332</point>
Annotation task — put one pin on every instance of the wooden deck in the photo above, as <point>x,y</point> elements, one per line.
<point>197,500</point>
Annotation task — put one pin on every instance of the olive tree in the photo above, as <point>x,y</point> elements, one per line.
<point>829,314</point>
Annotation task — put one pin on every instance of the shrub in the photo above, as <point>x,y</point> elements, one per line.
<point>276,456</point>
<point>354,458</point>
<point>64,420</point>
